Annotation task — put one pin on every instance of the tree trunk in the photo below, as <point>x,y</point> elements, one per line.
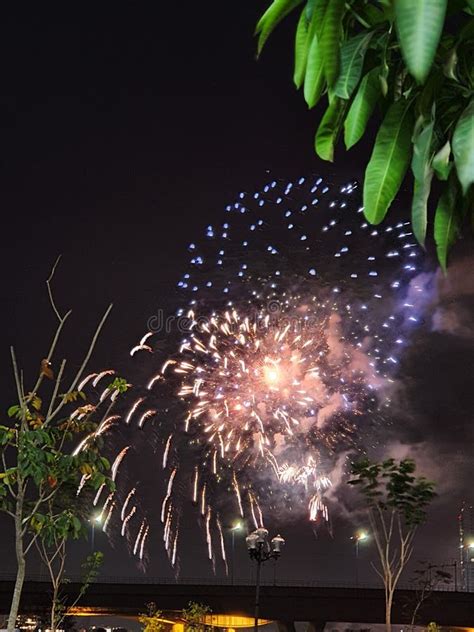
<point>53,608</point>
<point>21,568</point>
<point>388,611</point>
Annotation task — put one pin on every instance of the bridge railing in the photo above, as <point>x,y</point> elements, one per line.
<point>217,581</point>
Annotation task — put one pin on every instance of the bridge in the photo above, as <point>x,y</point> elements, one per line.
<point>286,604</point>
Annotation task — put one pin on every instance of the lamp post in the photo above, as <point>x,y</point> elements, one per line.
<point>358,537</point>
<point>93,521</point>
<point>261,551</point>
<point>238,526</point>
<point>469,562</point>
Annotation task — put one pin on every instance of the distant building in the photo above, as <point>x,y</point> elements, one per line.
<point>466,546</point>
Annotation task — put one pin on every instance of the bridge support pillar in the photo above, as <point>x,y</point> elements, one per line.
<point>286,626</point>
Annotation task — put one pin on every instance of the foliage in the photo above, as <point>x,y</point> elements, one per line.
<point>35,453</point>
<point>195,616</point>
<point>37,468</point>
<point>396,504</point>
<point>391,486</point>
<point>426,578</point>
<point>151,621</point>
<point>67,514</point>
<point>412,62</point>
<point>59,606</point>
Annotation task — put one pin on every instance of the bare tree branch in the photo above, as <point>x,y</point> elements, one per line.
<point>16,375</point>
<point>50,293</point>
<point>55,391</point>
<point>85,361</point>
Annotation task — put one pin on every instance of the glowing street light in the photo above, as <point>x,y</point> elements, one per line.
<point>359,536</point>
<point>238,526</point>
<point>94,520</point>
<point>261,551</point>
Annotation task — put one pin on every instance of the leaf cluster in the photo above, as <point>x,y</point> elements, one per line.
<point>151,620</point>
<point>38,463</point>
<point>195,617</point>
<point>392,485</point>
<point>411,62</point>
<point>119,384</point>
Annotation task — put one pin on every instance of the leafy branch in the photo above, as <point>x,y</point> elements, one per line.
<point>411,62</point>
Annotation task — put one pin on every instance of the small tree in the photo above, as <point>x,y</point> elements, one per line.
<point>195,617</point>
<point>35,462</point>
<point>151,621</point>
<point>65,520</point>
<point>396,502</point>
<point>427,578</point>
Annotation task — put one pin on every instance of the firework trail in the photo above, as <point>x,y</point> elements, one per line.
<point>292,317</point>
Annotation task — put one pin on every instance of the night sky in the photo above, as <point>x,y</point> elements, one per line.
<point>125,132</point>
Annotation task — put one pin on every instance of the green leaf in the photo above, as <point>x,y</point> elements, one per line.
<point>375,16</point>
<point>352,60</point>
<point>301,49</point>
<point>419,25</point>
<point>361,108</point>
<point>430,91</point>
<point>447,222</point>
<point>331,35</point>
<point>13,410</point>
<point>422,152</point>
<point>275,13</point>
<point>419,207</point>
<point>317,18</point>
<point>450,65</point>
<point>463,147</point>
<point>76,524</point>
<point>440,163</point>
<point>36,402</point>
<point>389,161</point>
<point>314,79</point>
<point>328,130</point>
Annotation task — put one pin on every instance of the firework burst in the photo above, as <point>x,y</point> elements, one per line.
<point>291,320</point>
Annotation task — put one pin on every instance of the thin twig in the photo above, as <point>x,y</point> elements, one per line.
<point>378,572</point>
<point>10,488</point>
<point>85,361</point>
<point>55,391</point>
<point>61,319</point>
<point>17,379</point>
<point>51,349</point>
<point>32,541</point>
<point>42,499</point>
<point>373,526</point>
<point>50,293</point>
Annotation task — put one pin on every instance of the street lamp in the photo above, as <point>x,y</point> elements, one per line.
<point>95,520</point>
<point>261,551</point>
<point>359,536</point>
<point>469,561</point>
<point>238,526</point>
